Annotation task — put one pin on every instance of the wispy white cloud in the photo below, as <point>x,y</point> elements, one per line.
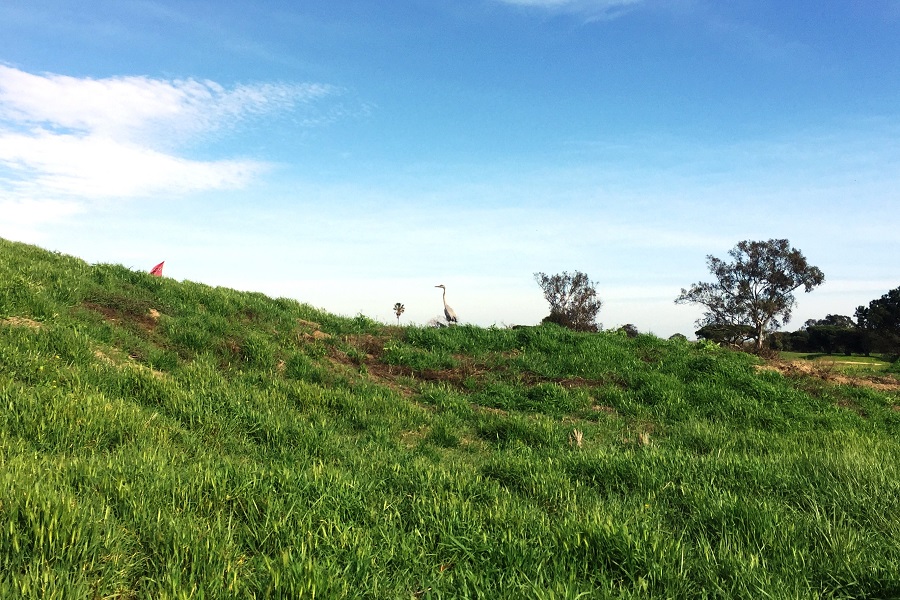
<point>80,139</point>
<point>96,166</point>
<point>141,108</point>
<point>593,9</point>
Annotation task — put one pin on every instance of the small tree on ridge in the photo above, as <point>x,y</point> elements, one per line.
<point>573,300</point>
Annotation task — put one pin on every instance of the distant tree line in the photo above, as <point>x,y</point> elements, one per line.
<point>750,299</point>
<point>876,328</point>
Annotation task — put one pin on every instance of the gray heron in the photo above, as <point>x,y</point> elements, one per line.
<point>448,312</point>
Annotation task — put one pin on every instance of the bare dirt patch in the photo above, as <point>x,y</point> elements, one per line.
<point>146,321</point>
<point>605,409</point>
<point>20,322</point>
<point>310,331</point>
<point>412,438</point>
<point>802,368</point>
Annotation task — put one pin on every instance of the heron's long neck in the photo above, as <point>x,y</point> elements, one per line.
<point>445,295</point>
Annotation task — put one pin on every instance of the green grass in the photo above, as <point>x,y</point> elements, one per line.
<point>173,440</point>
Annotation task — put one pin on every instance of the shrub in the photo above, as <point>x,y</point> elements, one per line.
<point>573,300</point>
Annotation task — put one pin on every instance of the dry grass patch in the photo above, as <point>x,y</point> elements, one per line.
<point>20,322</point>
<point>311,331</point>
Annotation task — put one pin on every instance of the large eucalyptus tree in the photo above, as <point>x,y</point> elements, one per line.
<point>756,289</point>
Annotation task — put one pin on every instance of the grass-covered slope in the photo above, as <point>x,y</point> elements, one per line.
<point>172,440</point>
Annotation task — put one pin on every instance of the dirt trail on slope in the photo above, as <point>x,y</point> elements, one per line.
<point>798,368</point>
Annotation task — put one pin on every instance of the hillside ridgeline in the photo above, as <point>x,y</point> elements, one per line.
<point>163,439</point>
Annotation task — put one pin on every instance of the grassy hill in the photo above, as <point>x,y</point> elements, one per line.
<point>173,440</point>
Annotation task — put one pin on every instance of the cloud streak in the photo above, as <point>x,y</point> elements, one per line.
<point>69,138</point>
<point>95,166</point>
<point>593,9</point>
<point>132,108</point>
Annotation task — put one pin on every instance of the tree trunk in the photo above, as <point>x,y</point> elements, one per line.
<point>760,328</point>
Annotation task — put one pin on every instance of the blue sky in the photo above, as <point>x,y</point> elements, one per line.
<point>354,154</point>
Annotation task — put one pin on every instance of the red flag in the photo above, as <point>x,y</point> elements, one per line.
<point>157,270</point>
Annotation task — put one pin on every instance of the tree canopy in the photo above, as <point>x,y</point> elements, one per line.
<point>755,289</point>
<point>730,335</point>
<point>573,300</point>
<point>882,318</point>
<point>842,321</point>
